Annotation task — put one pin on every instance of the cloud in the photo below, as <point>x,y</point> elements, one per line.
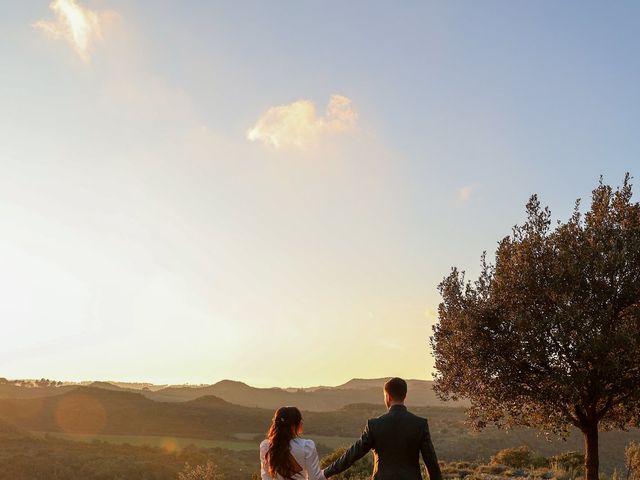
<point>464,193</point>
<point>298,124</point>
<point>78,25</point>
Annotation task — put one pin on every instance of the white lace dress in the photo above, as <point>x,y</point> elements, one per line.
<point>305,453</point>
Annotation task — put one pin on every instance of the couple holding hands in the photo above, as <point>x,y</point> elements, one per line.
<point>397,439</point>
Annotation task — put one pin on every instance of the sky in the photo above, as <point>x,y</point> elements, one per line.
<point>271,191</point>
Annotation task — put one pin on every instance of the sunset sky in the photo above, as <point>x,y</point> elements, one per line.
<point>270,191</point>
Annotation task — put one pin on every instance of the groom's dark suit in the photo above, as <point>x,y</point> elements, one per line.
<point>397,438</point>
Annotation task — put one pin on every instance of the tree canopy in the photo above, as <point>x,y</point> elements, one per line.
<point>548,336</point>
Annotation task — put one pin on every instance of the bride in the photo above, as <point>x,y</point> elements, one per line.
<point>284,455</point>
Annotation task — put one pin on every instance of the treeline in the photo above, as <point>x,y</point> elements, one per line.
<point>43,382</point>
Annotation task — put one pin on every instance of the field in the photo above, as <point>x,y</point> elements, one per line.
<point>134,430</point>
<point>167,443</point>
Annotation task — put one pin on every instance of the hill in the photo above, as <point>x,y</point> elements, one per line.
<point>7,429</point>
<point>11,390</point>
<point>29,457</point>
<point>95,411</point>
<point>89,410</point>
<point>317,399</point>
<point>320,399</point>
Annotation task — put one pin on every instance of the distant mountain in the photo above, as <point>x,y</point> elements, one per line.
<point>89,410</point>
<point>366,383</point>
<point>363,383</point>
<point>105,386</point>
<point>320,399</point>
<point>9,390</point>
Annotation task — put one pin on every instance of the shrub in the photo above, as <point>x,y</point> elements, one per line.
<point>568,461</point>
<point>539,461</point>
<point>516,472</point>
<point>209,471</point>
<point>542,472</point>
<point>632,460</point>
<point>518,457</point>
<point>568,465</point>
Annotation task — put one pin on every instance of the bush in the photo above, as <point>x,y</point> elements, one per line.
<point>632,460</point>
<point>568,465</point>
<point>544,473</point>
<point>539,461</point>
<point>516,472</point>
<point>518,457</point>
<point>568,461</point>
<point>209,471</point>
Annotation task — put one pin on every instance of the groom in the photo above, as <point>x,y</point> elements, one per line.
<point>397,439</point>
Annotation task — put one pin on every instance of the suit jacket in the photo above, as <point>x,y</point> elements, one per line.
<point>397,439</point>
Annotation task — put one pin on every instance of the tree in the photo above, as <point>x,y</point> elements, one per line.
<point>549,335</point>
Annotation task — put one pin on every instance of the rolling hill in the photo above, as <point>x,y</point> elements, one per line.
<point>90,410</point>
<point>317,399</point>
<point>98,411</point>
<point>320,399</point>
<point>10,390</point>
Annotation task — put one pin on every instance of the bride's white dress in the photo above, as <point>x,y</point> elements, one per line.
<point>305,453</point>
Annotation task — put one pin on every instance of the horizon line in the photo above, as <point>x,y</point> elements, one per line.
<point>201,384</point>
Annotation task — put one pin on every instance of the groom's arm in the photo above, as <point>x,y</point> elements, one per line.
<point>429,454</point>
<point>355,453</point>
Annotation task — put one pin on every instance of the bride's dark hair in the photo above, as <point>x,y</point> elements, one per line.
<point>284,428</point>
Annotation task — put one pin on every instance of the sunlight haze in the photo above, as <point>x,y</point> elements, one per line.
<point>193,192</point>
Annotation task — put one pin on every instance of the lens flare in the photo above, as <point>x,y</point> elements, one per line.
<point>169,445</point>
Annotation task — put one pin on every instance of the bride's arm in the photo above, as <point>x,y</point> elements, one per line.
<point>312,461</point>
<point>264,473</point>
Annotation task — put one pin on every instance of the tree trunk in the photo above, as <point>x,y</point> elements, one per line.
<point>591,459</point>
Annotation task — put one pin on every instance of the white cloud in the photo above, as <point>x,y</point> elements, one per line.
<point>298,124</point>
<point>78,25</point>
